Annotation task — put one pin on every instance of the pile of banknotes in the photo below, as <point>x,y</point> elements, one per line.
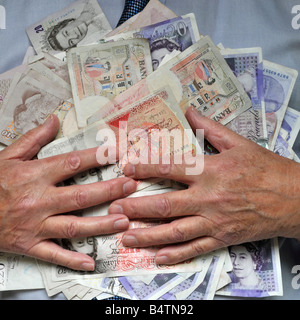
<point>143,74</point>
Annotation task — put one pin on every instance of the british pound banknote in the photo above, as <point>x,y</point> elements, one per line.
<point>203,285</point>
<point>100,72</point>
<point>6,79</point>
<point>33,97</point>
<point>19,273</point>
<point>283,149</point>
<point>157,111</point>
<point>279,82</point>
<point>161,284</point>
<point>122,100</point>
<point>290,126</point>
<point>199,77</point>
<point>52,68</point>
<point>287,134</point>
<point>81,23</point>
<point>112,259</point>
<point>4,87</point>
<point>247,65</point>
<point>263,277</point>
<point>164,37</point>
<point>154,12</point>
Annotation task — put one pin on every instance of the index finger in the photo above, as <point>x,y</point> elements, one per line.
<point>221,137</point>
<point>61,167</point>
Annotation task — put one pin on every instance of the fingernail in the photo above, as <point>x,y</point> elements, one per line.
<point>129,241</point>
<point>88,266</point>
<point>129,187</point>
<point>129,170</point>
<point>121,224</point>
<point>162,260</point>
<point>115,209</point>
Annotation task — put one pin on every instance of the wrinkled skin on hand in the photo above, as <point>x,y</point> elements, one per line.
<point>245,193</point>
<point>32,207</point>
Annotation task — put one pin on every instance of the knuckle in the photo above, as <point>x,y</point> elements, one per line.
<point>234,234</point>
<point>18,244</point>
<point>72,161</point>
<point>19,241</point>
<point>25,203</point>
<point>198,248</point>
<point>71,229</point>
<point>178,233</point>
<point>80,198</point>
<point>53,257</point>
<point>230,235</point>
<point>163,207</point>
<point>43,229</point>
<point>133,208</point>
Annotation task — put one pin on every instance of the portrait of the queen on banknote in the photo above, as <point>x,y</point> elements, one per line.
<point>81,23</point>
<point>87,245</point>
<point>29,115</point>
<point>255,272</point>
<point>159,48</point>
<point>69,32</point>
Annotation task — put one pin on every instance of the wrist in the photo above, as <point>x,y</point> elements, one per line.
<point>293,201</point>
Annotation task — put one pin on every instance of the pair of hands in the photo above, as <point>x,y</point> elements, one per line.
<point>245,193</point>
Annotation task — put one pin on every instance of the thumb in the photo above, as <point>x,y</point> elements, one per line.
<point>27,146</point>
<point>221,137</point>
